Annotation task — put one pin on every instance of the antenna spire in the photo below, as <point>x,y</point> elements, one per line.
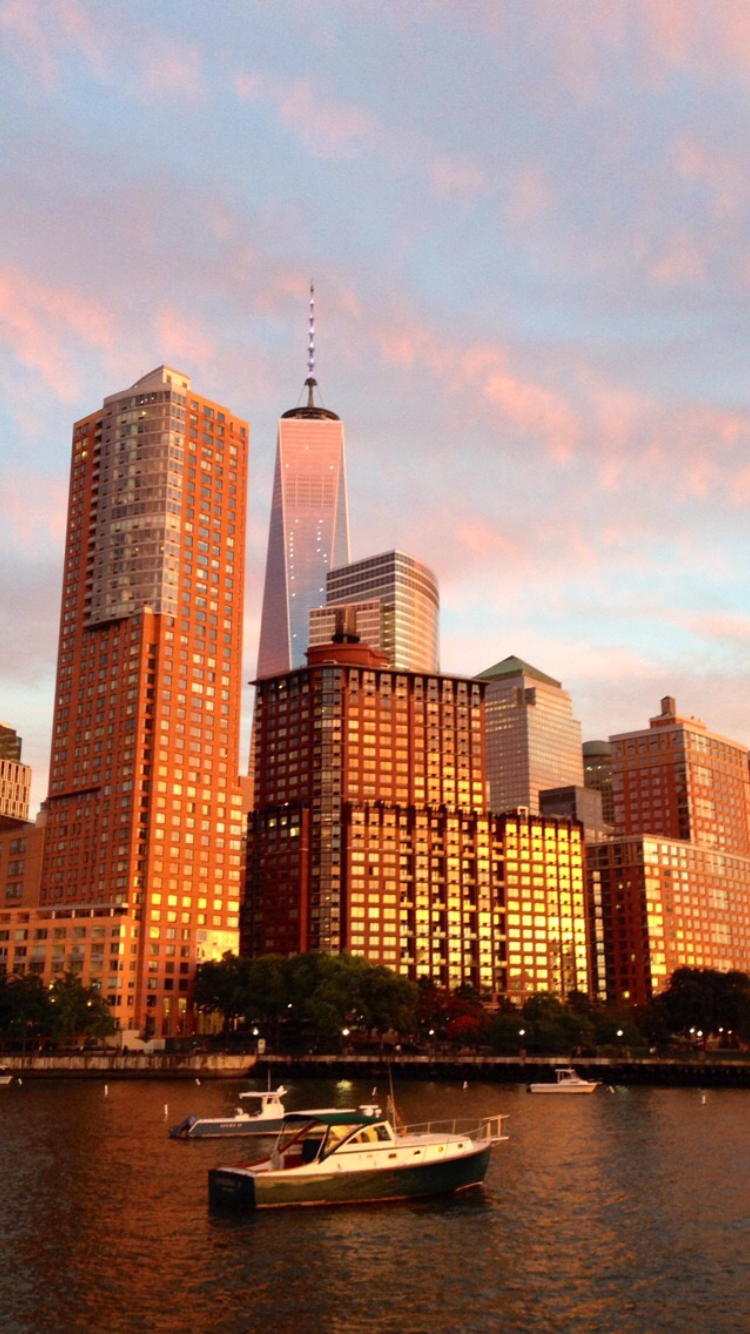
<point>311,333</point>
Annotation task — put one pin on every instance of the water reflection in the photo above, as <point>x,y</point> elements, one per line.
<point>621,1212</point>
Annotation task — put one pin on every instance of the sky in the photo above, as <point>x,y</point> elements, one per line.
<point>529,229</point>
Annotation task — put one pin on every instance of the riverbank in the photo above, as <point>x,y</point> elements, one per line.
<point>675,1072</point>
<point>708,1071</point>
<point>131,1065</point>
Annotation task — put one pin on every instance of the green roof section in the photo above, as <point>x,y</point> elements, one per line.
<point>513,666</point>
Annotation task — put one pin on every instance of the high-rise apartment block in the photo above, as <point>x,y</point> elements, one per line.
<point>533,740</point>
<point>662,904</point>
<point>308,534</point>
<point>397,605</point>
<point>677,779</point>
<point>370,834</point>
<point>144,818</point>
<point>672,888</point>
<point>15,779</point>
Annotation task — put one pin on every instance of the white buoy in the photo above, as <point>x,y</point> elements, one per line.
<point>20,1082</point>
<point>106,1090</point>
<point>197,1081</point>
<point>703,1099</point>
<point>466,1083</point>
<point>166,1110</point>
<point>374,1091</point>
<point>611,1089</point>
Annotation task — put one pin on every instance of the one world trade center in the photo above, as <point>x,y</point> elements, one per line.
<point>309,530</point>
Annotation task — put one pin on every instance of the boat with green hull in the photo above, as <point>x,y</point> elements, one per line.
<point>348,1156</point>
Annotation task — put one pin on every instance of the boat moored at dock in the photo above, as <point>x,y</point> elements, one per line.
<point>266,1119</point>
<point>567,1080</point>
<point>348,1156</point>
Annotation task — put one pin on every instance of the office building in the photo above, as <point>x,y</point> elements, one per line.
<point>397,605</point>
<point>597,774</point>
<point>677,779</point>
<point>15,779</point>
<point>577,803</point>
<point>533,740</point>
<point>309,529</point>
<point>144,813</point>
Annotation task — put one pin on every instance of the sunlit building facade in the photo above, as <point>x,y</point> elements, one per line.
<point>308,534</point>
<point>144,813</point>
<point>370,834</point>
<point>397,605</point>
<point>678,779</point>
<point>662,904</point>
<point>533,740</point>
<point>15,778</point>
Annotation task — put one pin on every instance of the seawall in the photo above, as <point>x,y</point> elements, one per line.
<point>131,1065</point>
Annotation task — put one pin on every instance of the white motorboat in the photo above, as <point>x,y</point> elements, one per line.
<point>5,1077</point>
<point>265,1119</point>
<point>355,1156</point>
<point>567,1080</point>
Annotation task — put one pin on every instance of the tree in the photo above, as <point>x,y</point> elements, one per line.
<point>706,1000</point>
<point>24,1009</point>
<point>77,1011</point>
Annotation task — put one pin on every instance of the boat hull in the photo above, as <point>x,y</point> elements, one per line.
<point>227,1129</point>
<point>563,1090</point>
<point>241,1190</point>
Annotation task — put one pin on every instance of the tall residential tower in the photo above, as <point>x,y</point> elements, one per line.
<point>144,807</point>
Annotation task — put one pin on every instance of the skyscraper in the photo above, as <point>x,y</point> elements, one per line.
<point>144,807</point>
<point>533,740</point>
<point>309,528</point>
<point>597,773</point>
<point>397,604</point>
<point>677,779</point>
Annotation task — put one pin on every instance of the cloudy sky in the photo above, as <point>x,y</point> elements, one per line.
<point>529,228</point>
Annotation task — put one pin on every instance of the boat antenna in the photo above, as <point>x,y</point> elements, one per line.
<point>392,1096</point>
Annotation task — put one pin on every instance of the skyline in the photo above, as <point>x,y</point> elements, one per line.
<point>528,233</point>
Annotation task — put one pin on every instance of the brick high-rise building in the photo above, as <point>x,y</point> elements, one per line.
<point>677,779</point>
<point>144,808</point>
<point>370,834</point>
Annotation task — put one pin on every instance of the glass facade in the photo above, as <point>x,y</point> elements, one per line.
<point>397,603</point>
<point>308,533</point>
<point>533,740</point>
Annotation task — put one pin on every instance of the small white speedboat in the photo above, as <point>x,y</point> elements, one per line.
<point>566,1081</point>
<point>5,1077</point>
<point>266,1119</point>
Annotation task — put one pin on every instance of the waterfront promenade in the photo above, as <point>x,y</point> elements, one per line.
<point>699,1070</point>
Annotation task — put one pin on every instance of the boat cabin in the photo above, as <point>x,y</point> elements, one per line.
<point>308,1137</point>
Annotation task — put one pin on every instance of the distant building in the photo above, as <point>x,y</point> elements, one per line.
<point>309,529</point>
<point>577,803</point>
<point>597,773</point>
<point>533,740</point>
<point>397,607</point>
<point>677,779</point>
<point>661,904</point>
<point>15,778</point>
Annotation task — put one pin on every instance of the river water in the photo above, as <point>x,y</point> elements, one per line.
<point>627,1211</point>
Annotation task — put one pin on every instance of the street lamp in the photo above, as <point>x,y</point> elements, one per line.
<point>620,1033</point>
<point>345,1032</point>
<point>521,1032</point>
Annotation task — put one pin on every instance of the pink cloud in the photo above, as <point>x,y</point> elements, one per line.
<point>41,31</point>
<point>458,178</point>
<point>172,71</point>
<point>37,322</point>
<point>30,527</point>
<point>326,127</point>
<point>182,338</point>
